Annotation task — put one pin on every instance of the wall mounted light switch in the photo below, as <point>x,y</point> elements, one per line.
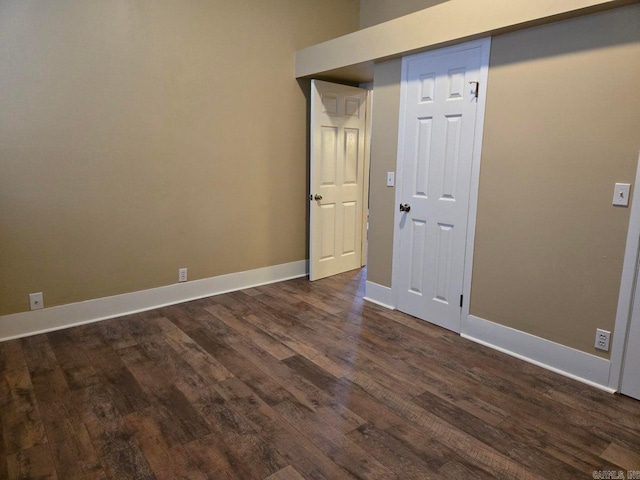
<point>391,179</point>
<point>621,194</point>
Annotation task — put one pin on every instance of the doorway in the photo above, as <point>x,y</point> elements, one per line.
<point>338,178</point>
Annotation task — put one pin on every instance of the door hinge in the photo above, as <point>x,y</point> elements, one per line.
<point>475,93</point>
<point>461,298</point>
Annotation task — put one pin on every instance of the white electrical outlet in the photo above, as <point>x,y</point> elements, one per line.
<point>182,275</point>
<point>36,302</point>
<point>602,339</point>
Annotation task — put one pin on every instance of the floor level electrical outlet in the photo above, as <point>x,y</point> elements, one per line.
<point>182,275</point>
<point>36,301</point>
<point>602,339</point>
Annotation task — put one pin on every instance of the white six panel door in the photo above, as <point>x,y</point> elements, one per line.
<point>338,114</point>
<point>436,151</point>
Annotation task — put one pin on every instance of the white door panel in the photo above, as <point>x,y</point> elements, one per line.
<point>436,157</point>
<point>338,115</point>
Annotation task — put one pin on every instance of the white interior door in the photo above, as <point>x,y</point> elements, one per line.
<point>338,116</point>
<point>436,147</point>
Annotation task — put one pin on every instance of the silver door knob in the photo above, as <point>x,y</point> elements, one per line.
<point>317,197</point>
<point>405,207</point>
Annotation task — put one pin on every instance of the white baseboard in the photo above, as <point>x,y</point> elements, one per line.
<point>55,318</point>
<point>379,294</point>
<point>578,365</point>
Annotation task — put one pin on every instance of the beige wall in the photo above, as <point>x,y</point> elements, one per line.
<point>561,128</point>
<point>373,12</point>
<point>384,151</point>
<point>138,138</point>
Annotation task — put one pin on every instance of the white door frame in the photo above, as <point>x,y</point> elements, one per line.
<point>485,45</point>
<point>366,180</point>
<point>627,290</point>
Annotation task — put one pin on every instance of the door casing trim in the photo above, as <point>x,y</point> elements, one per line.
<point>627,290</point>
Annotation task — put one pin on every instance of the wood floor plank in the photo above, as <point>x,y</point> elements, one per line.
<point>167,462</point>
<point>257,336</point>
<point>38,354</point>
<point>295,380</point>
<point>622,457</point>
<point>198,358</point>
<point>292,446</point>
<point>563,446</point>
<point>72,451</point>
<point>107,363</point>
<point>158,376</point>
<point>70,444</point>
<point>73,361</point>
<point>398,457</point>
<point>22,426</point>
<point>587,400</point>
<point>119,453</point>
<point>454,438</point>
<point>299,389</point>
<point>11,356</point>
<point>376,414</point>
<point>499,439</point>
<point>32,463</point>
<point>287,473</point>
<point>300,347</point>
<point>341,450</point>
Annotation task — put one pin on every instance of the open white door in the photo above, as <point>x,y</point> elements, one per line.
<point>338,116</point>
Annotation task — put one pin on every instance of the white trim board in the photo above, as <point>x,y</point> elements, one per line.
<point>627,288</point>
<point>55,318</point>
<point>558,358</point>
<point>474,186</point>
<point>379,294</point>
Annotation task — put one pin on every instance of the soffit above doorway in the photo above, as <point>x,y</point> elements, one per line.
<point>351,57</point>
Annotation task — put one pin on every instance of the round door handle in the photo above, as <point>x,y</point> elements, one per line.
<point>317,197</point>
<point>405,207</point>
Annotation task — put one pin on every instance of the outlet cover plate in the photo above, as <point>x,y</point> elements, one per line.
<point>36,301</point>
<point>182,275</point>
<point>603,338</point>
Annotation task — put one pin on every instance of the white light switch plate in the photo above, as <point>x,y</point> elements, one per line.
<point>621,194</point>
<point>391,179</point>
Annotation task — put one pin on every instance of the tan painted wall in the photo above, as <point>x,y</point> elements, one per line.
<point>137,138</point>
<point>384,151</point>
<point>373,12</point>
<point>561,128</point>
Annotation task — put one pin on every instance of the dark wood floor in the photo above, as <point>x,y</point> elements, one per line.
<point>295,380</point>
